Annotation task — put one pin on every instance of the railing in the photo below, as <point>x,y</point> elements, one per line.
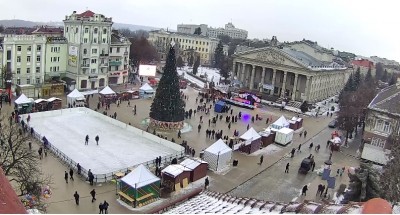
<point>108,176</point>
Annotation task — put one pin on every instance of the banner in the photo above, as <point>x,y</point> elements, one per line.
<point>73,56</point>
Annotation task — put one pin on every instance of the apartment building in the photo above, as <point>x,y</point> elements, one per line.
<point>229,30</point>
<point>89,38</point>
<point>201,46</point>
<point>118,64</point>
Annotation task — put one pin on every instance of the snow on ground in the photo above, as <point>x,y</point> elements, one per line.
<point>212,75</point>
<point>270,149</point>
<point>325,106</point>
<point>118,148</point>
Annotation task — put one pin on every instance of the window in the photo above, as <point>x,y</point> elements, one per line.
<point>76,30</point>
<point>94,40</point>
<point>28,81</point>
<point>86,30</point>
<point>378,142</point>
<point>67,29</point>
<point>28,59</point>
<point>197,42</point>
<point>38,48</point>
<point>28,70</point>
<point>18,70</point>
<point>84,51</point>
<point>95,30</point>
<point>104,40</point>
<point>54,59</point>
<point>104,31</point>
<point>93,71</point>
<point>37,69</point>
<point>386,127</point>
<point>51,69</point>
<point>18,59</point>
<point>37,80</point>
<point>58,59</point>
<point>118,50</point>
<point>37,58</point>
<point>94,61</point>
<point>29,48</point>
<point>19,48</point>
<point>94,51</point>
<point>18,81</point>
<point>83,83</point>
<point>85,40</point>
<point>206,50</point>
<point>382,126</point>
<point>110,50</point>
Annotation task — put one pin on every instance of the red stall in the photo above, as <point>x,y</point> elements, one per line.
<point>175,177</point>
<point>198,168</point>
<point>251,141</point>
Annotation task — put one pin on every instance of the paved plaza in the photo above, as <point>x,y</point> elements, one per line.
<point>269,183</point>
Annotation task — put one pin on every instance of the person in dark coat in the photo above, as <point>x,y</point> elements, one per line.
<point>76,196</point>
<point>78,166</point>
<point>159,161</point>
<point>93,194</point>
<point>305,134</point>
<point>101,208</point>
<point>30,145</point>
<point>105,206</point>
<point>292,152</point>
<point>71,174</point>
<point>248,126</point>
<point>287,168</point>
<point>304,190</point>
<point>206,183</point>
<point>179,134</point>
<point>319,189</point>
<point>199,128</point>
<point>87,140</point>
<point>66,177</point>
<point>322,190</point>
<point>97,139</point>
<point>261,159</point>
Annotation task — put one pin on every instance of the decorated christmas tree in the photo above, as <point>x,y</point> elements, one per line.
<point>167,109</point>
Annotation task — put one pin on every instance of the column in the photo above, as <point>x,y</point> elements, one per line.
<point>235,70</point>
<point>295,86</point>
<point>262,79</point>
<point>283,94</point>
<point>253,71</point>
<point>273,81</point>
<point>307,90</point>
<point>242,76</point>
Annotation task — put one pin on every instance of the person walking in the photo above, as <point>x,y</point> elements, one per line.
<point>311,145</point>
<point>97,139</point>
<point>287,168</point>
<point>319,189</point>
<point>78,166</point>
<point>76,196</point>
<point>305,134</point>
<point>206,183</point>
<point>179,134</point>
<point>322,190</point>
<point>248,126</point>
<point>105,206</point>
<point>30,146</point>
<point>66,177</point>
<point>304,190</point>
<point>93,194</point>
<point>299,148</point>
<point>292,152</point>
<point>87,140</point>
<point>101,208</point>
<point>312,166</point>
<point>199,128</point>
<point>71,174</point>
<point>261,159</point>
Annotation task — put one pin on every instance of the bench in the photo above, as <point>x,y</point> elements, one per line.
<point>126,197</point>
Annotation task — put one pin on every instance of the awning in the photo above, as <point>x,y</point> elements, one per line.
<point>69,81</point>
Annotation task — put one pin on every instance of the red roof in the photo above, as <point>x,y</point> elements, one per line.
<point>87,13</point>
<point>9,201</point>
<point>363,63</point>
<point>377,206</point>
<point>48,30</point>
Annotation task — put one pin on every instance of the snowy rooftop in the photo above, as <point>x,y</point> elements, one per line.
<point>216,203</point>
<point>120,146</point>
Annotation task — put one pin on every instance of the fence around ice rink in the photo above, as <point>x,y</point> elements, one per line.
<point>108,176</point>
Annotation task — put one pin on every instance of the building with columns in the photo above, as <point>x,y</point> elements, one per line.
<point>288,73</point>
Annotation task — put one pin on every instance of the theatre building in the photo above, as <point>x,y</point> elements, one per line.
<point>297,71</point>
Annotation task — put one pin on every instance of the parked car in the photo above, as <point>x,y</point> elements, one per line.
<point>333,124</point>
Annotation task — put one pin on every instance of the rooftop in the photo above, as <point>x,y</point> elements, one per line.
<point>162,31</point>
<point>387,101</point>
<point>363,63</point>
<point>9,201</point>
<point>48,30</point>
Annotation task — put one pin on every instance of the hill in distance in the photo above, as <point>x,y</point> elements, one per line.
<point>24,23</point>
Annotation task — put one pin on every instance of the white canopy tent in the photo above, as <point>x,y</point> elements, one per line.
<point>22,99</point>
<point>74,96</point>
<point>140,177</point>
<point>218,155</point>
<point>250,134</point>
<point>146,91</point>
<point>107,91</point>
<point>280,123</point>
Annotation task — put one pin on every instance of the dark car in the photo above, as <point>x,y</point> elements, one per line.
<point>333,124</point>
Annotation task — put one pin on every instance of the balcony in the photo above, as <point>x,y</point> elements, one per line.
<point>103,55</point>
<point>115,63</point>
<point>85,65</point>
<point>104,65</point>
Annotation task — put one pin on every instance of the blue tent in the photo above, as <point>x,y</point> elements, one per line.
<point>219,106</point>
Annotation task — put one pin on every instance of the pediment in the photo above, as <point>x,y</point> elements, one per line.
<point>270,56</point>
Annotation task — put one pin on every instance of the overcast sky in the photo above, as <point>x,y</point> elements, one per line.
<point>359,26</point>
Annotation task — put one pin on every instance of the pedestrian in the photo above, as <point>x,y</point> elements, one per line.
<point>78,166</point>
<point>312,166</point>
<point>299,148</point>
<point>322,190</point>
<point>87,140</point>
<point>292,152</point>
<point>248,126</point>
<point>101,208</point>
<point>30,145</point>
<point>97,139</point>
<point>319,189</point>
<point>199,128</point>
<point>287,168</point>
<point>331,114</point>
<point>328,143</point>
<point>305,134</point>
<point>179,134</point>
<point>129,103</point>
<point>261,159</point>
<point>209,122</point>
<point>337,172</point>
<point>93,194</point>
<point>76,196</point>
<point>311,145</point>
<point>317,148</point>
<point>252,120</point>
<point>206,183</point>
<point>301,133</point>
<point>229,126</point>
<point>342,171</point>
<point>66,177</point>
<point>71,174</point>
<point>40,153</point>
<point>105,206</point>
<point>304,190</point>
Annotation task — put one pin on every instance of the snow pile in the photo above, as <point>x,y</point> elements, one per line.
<point>270,149</point>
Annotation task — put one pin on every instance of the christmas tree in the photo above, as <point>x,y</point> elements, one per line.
<point>168,107</point>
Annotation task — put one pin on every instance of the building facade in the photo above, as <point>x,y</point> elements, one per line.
<point>89,40</point>
<point>118,64</point>
<point>190,29</point>
<point>204,47</point>
<point>364,66</point>
<point>382,118</point>
<point>56,59</point>
<point>289,73</point>
<point>229,30</point>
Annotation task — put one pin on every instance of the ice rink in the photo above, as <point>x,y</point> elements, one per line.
<point>120,146</point>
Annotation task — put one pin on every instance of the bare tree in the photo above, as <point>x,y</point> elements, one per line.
<point>142,51</point>
<point>390,180</point>
<point>19,162</point>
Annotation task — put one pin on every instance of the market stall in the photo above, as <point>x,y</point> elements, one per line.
<point>133,94</point>
<point>107,94</point>
<point>75,99</point>
<point>220,107</point>
<point>40,105</point>
<point>175,177</point>
<point>218,155</point>
<point>140,187</point>
<point>54,103</point>
<point>146,91</point>
<point>284,136</point>
<point>280,123</point>
<point>267,137</point>
<point>251,141</point>
<point>23,104</point>
<point>198,168</point>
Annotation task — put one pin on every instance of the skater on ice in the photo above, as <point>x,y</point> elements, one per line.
<point>97,139</point>
<point>87,140</point>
